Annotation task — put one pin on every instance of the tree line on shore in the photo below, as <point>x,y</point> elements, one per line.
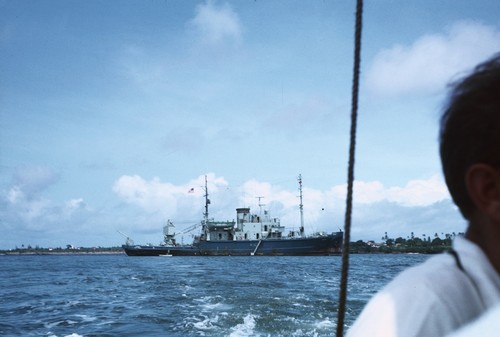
<point>426,244</point>
<point>69,249</point>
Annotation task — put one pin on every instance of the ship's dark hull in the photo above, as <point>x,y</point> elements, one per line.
<point>321,245</point>
<point>161,250</point>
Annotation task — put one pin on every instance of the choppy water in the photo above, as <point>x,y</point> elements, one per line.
<point>116,295</point>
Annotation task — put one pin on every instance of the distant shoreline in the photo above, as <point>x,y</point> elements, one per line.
<point>61,252</point>
<point>121,252</point>
<point>358,247</point>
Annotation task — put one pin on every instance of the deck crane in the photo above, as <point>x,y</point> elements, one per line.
<point>129,241</point>
<point>169,232</point>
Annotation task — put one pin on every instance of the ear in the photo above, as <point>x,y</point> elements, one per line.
<point>483,184</point>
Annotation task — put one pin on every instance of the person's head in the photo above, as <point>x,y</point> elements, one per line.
<point>470,133</point>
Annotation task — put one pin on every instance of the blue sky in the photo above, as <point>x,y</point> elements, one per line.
<point>111,111</point>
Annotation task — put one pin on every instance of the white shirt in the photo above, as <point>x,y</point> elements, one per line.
<point>433,298</point>
<point>488,325</point>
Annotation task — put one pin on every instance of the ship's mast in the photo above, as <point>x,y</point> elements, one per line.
<point>207,202</point>
<point>301,207</point>
<point>260,205</point>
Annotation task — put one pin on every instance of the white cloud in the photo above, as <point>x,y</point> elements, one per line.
<point>364,192</point>
<point>216,24</point>
<point>169,200</point>
<point>371,221</point>
<point>25,207</point>
<point>415,193</point>
<point>30,181</point>
<point>14,195</point>
<point>431,61</point>
<point>253,189</point>
<point>419,192</point>
<point>151,195</point>
<point>75,204</point>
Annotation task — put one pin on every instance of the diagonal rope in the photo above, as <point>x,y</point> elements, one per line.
<point>350,174</point>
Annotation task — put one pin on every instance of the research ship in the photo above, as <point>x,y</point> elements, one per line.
<point>251,234</point>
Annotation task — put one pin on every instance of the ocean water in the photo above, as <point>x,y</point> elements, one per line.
<point>116,295</point>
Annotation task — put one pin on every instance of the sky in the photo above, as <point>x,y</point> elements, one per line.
<point>113,112</point>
